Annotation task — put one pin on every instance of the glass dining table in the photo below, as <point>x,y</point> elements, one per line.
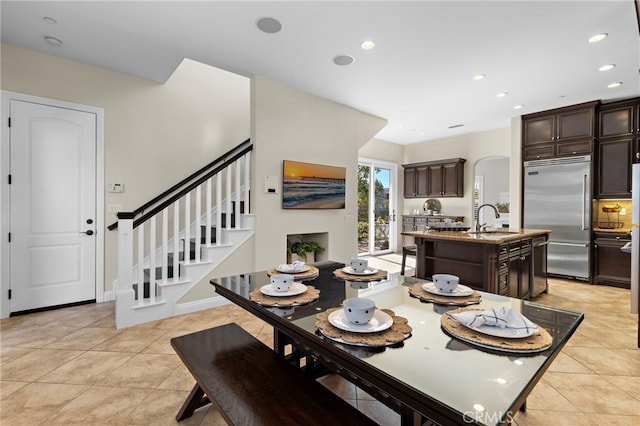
<point>431,374</point>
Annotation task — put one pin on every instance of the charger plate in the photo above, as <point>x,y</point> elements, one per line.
<point>311,273</point>
<point>308,296</point>
<point>399,331</point>
<point>380,275</point>
<point>419,292</point>
<point>537,342</point>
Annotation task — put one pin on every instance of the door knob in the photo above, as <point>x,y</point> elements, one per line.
<point>89,221</point>
<point>89,232</point>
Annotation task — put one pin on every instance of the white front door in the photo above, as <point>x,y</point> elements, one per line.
<point>53,205</point>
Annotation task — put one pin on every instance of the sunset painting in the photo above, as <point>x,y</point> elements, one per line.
<point>312,186</point>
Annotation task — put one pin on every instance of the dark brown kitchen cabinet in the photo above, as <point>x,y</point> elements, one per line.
<point>518,269</point>
<point>614,168</point>
<point>415,182</point>
<point>444,178</point>
<point>559,133</point>
<point>611,265</point>
<point>621,120</point>
<point>618,147</point>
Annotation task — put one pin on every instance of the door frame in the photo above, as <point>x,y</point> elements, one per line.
<point>5,209</point>
<point>393,202</point>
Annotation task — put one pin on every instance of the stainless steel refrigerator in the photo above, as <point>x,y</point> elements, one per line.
<point>557,196</point>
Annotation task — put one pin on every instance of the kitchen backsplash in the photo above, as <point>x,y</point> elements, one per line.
<point>613,220</point>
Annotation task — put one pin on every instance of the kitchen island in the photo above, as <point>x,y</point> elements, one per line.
<point>500,262</point>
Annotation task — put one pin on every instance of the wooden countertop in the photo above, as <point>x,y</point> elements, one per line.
<point>491,237</point>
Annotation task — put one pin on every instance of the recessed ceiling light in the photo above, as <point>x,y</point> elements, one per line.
<point>518,107</point>
<point>367,45</point>
<point>607,67</point>
<point>52,41</point>
<point>614,85</point>
<point>269,25</point>
<point>501,94</point>
<point>49,20</point>
<point>343,60</point>
<point>478,77</point>
<point>598,37</point>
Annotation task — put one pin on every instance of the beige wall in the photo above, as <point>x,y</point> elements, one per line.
<point>155,134</point>
<point>293,125</point>
<point>472,147</point>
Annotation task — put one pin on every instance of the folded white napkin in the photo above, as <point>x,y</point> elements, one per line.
<point>497,317</point>
<point>296,266</point>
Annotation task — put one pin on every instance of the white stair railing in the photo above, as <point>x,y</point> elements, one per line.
<point>179,231</point>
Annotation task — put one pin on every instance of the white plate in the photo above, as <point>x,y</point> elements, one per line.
<point>368,271</point>
<point>295,289</point>
<point>305,268</point>
<point>460,290</point>
<point>380,322</point>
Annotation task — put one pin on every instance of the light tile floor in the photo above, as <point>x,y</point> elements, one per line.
<point>71,366</point>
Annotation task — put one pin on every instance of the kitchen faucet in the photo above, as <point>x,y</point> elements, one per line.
<point>478,226</point>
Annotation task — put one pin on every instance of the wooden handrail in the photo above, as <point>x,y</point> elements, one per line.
<point>187,181</point>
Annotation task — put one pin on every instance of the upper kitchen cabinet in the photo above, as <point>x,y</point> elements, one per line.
<point>438,179</point>
<point>416,180</point>
<point>618,147</point>
<point>621,120</point>
<point>560,132</point>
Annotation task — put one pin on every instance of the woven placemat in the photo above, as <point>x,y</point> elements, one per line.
<point>306,275</point>
<point>378,276</point>
<point>416,290</point>
<point>399,331</point>
<point>308,296</point>
<point>534,343</point>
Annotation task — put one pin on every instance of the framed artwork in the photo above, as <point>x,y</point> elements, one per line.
<point>312,186</point>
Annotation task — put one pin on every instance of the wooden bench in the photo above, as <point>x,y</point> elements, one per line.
<point>251,384</point>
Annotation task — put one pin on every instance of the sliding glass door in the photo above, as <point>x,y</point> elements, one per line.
<point>376,207</point>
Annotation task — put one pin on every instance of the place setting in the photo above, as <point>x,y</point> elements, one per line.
<point>359,270</point>
<point>359,322</point>
<point>301,270</point>
<point>284,291</point>
<point>500,329</point>
<point>445,290</point>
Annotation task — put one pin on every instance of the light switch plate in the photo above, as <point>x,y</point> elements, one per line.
<point>115,187</point>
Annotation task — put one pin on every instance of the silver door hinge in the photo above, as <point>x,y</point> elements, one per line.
<point>9,121</point>
<point>9,179</point>
<point>9,293</point>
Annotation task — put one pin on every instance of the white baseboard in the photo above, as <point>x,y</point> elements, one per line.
<point>200,305</point>
<point>107,296</point>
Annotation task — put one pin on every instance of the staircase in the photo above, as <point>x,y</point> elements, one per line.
<point>177,239</point>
